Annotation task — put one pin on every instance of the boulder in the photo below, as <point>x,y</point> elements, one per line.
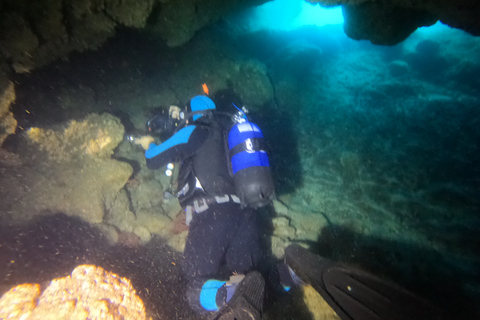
<point>90,292</point>
<point>65,170</point>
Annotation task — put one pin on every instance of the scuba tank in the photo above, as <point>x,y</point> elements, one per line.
<point>250,165</point>
<point>246,157</point>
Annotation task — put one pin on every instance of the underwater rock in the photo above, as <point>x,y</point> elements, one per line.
<point>89,292</point>
<point>75,175</point>
<point>33,34</point>
<point>278,247</point>
<point>282,228</point>
<point>386,24</point>
<point>280,208</point>
<point>229,78</point>
<point>398,68</point>
<point>130,13</point>
<point>178,241</point>
<point>142,233</point>
<point>118,212</point>
<point>109,232</point>
<point>154,221</point>
<point>145,192</point>
<point>283,234</point>
<point>7,96</point>
<point>96,136</point>
<point>308,226</point>
<point>252,84</point>
<point>178,21</point>
<point>396,19</point>
<point>74,188</point>
<point>146,219</point>
<point>36,33</point>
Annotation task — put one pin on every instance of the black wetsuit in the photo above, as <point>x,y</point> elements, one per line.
<point>225,238</point>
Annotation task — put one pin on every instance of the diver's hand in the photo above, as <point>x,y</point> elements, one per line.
<point>144,141</point>
<point>174,112</point>
<point>235,279</point>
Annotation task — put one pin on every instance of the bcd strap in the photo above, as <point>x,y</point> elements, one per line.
<point>249,145</point>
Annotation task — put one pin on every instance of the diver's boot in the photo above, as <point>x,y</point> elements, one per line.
<point>246,302</point>
<point>355,294</point>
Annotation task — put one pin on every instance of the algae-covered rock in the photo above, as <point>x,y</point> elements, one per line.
<point>282,228</point>
<point>35,33</point>
<point>118,212</point>
<point>95,136</point>
<point>252,84</point>
<point>7,96</point>
<point>74,188</point>
<point>146,193</point>
<point>77,176</point>
<point>278,246</point>
<point>130,13</point>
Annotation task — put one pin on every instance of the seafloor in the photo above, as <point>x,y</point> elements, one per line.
<point>375,153</point>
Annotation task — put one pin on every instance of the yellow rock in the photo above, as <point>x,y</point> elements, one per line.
<point>89,292</point>
<point>95,136</point>
<point>19,302</point>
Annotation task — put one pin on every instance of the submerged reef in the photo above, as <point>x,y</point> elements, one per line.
<point>90,292</point>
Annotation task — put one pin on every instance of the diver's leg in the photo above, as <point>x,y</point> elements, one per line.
<point>206,244</point>
<point>245,251</point>
<point>243,300</point>
<point>246,302</point>
<point>208,239</point>
<point>205,295</point>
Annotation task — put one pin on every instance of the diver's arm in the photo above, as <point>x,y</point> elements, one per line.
<point>144,141</point>
<point>183,144</point>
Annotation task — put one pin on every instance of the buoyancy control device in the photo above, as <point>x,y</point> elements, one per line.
<point>248,160</point>
<point>250,165</point>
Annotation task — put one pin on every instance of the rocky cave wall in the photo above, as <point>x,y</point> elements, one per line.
<point>34,33</point>
<point>388,22</point>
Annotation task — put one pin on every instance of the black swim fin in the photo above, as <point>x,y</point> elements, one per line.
<point>247,301</point>
<point>355,294</point>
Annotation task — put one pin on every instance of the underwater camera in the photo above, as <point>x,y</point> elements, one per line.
<point>162,124</point>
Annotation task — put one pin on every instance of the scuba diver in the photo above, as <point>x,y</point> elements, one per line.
<point>224,177</point>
